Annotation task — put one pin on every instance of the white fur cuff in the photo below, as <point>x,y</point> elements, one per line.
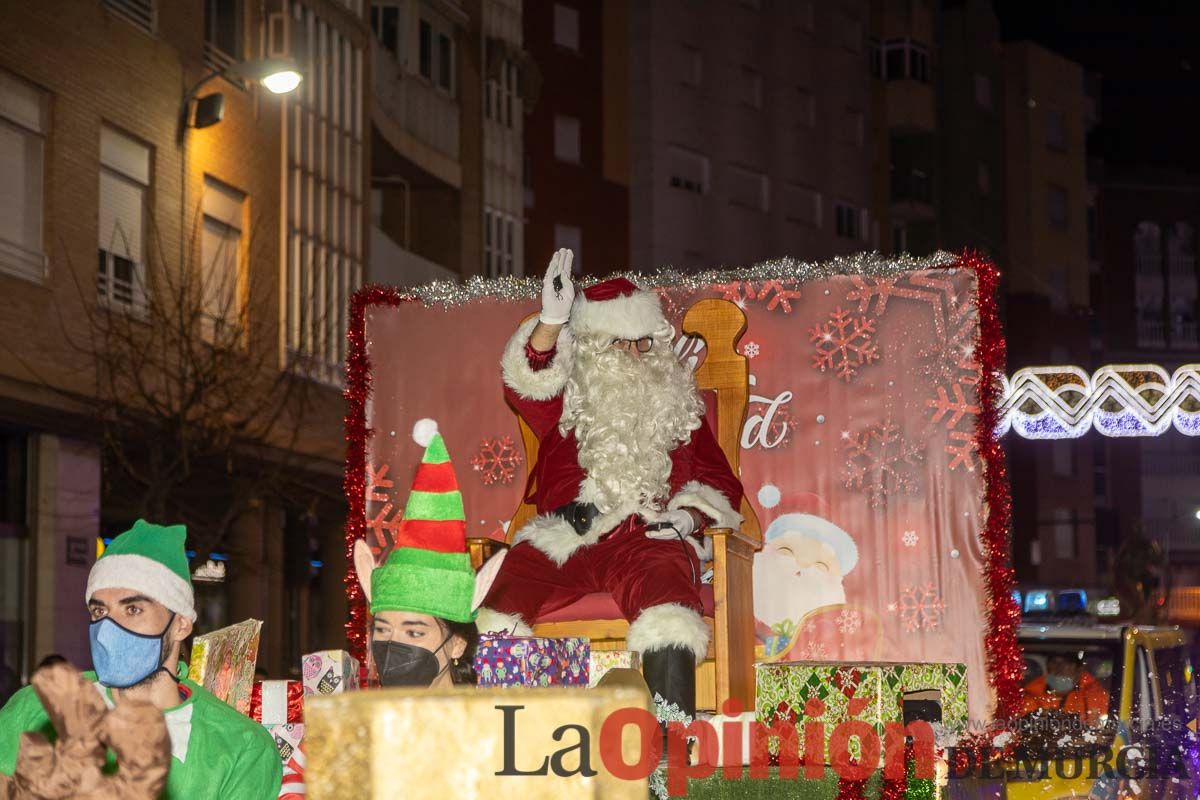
<point>531,384</point>
<point>709,502</point>
<point>554,537</point>
<point>703,547</point>
<point>669,625</point>
<point>488,621</point>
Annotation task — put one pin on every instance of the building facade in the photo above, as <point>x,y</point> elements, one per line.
<point>1047,293</point>
<point>446,121</point>
<point>749,134</point>
<point>577,134</point>
<point>128,199</point>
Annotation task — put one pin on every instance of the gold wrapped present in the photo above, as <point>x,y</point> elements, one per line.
<point>223,662</point>
<point>466,742</point>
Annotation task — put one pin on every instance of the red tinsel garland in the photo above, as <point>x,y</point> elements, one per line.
<point>1005,665</point>
<point>851,790</point>
<point>358,388</point>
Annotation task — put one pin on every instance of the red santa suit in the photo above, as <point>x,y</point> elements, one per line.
<point>654,582</point>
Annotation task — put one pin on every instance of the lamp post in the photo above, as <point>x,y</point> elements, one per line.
<point>276,75</point>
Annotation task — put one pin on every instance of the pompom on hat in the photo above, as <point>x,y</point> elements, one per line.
<point>619,308</point>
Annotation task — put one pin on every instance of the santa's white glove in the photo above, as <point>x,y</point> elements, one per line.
<point>557,290</point>
<point>680,522</point>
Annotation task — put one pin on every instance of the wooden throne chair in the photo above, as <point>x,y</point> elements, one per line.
<point>728,670</point>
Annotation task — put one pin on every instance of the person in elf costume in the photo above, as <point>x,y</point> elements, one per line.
<point>425,594</point>
<point>139,594</point>
<point>629,475</point>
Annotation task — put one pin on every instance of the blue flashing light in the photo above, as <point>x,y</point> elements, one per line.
<point>316,564</point>
<point>1037,601</point>
<point>214,556</point>
<point>1016,596</point>
<point>1071,601</point>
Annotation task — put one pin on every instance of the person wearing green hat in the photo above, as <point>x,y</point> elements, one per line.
<point>425,595</point>
<point>139,595</point>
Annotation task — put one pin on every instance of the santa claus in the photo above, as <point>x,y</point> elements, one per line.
<point>628,476</point>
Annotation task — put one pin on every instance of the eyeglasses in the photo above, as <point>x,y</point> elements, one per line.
<point>643,345</point>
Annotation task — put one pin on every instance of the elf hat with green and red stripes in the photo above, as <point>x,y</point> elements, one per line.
<point>429,571</point>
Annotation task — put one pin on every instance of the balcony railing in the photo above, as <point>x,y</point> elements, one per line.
<point>912,186</point>
<point>1151,333</point>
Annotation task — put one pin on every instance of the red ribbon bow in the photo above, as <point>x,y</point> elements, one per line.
<point>285,702</point>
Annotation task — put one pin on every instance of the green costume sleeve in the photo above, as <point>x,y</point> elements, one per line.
<point>22,713</point>
<point>259,771</point>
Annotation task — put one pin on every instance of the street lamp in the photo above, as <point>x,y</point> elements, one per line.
<point>276,75</point>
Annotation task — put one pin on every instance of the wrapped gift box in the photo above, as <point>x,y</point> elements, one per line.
<point>601,661</point>
<point>950,680</point>
<point>531,661</point>
<point>223,662</point>
<point>429,743</point>
<point>287,738</point>
<point>277,702</point>
<point>872,692</point>
<point>330,672</point>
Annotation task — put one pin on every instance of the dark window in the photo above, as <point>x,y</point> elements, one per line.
<point>1056,207</point>
<point>895,61</point>
<point>426,50</point>
<point>223,26</point>
<point>849,222</point>
<point>385,23</point>
<point>444,61</point>
<point>875,58</point>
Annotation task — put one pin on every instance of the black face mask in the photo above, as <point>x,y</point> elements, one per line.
<point>403,664</point>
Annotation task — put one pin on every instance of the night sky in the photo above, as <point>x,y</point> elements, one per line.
<point>1148,54</point>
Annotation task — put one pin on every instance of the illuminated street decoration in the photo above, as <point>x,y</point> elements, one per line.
<point>1117,400</point>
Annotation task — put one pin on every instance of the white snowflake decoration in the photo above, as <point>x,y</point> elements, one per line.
<point>910,538</point>
<point>751,350</point>
<point>848,622</point>
<point>844,344</point>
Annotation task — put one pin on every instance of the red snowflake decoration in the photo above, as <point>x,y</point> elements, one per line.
<point>497,460</point>
<point>919,608</point>
<point>778,294</point>
<point>844,344</point>
<point>881,462</point>
<point>954,409</point>
<point>779,432</point>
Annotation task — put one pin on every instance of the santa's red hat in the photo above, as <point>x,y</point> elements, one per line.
<point>618,308</point>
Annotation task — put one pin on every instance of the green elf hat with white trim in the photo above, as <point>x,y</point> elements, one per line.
<point>429,570</point>
<point>149,559</point>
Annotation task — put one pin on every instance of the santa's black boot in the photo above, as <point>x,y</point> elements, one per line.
<point>670,673</point>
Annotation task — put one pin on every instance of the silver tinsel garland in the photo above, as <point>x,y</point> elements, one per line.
<point>453,293</point>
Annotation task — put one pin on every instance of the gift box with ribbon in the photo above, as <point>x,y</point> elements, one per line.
<point>534,661</point>
<point>330,672</point>
<point>277,702</point>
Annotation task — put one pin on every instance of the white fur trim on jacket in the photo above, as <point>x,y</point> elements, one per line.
<point>489,621</point>
<point>146,576</point>
<point>629,317</point>
<point>709,502</point>
<point>558,541</point>
<point>533,384</point>
<point>669,625</point>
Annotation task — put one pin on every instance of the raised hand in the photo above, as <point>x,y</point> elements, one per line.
<point>558,292</point>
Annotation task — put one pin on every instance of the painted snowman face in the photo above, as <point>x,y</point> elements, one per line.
<point>794,574</point>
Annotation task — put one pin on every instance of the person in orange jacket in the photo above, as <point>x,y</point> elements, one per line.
<point>1068,687</point>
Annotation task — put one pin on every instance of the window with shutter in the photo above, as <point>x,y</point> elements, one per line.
<point>22,148</point>
<point>220,256</point>
<point>124,179</point>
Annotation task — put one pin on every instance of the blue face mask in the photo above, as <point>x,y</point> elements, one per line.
<point>1060,683</point>
<point>123,658</point>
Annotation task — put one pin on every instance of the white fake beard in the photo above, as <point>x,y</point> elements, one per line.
<point>628,414</point>
<point>783,595</point>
